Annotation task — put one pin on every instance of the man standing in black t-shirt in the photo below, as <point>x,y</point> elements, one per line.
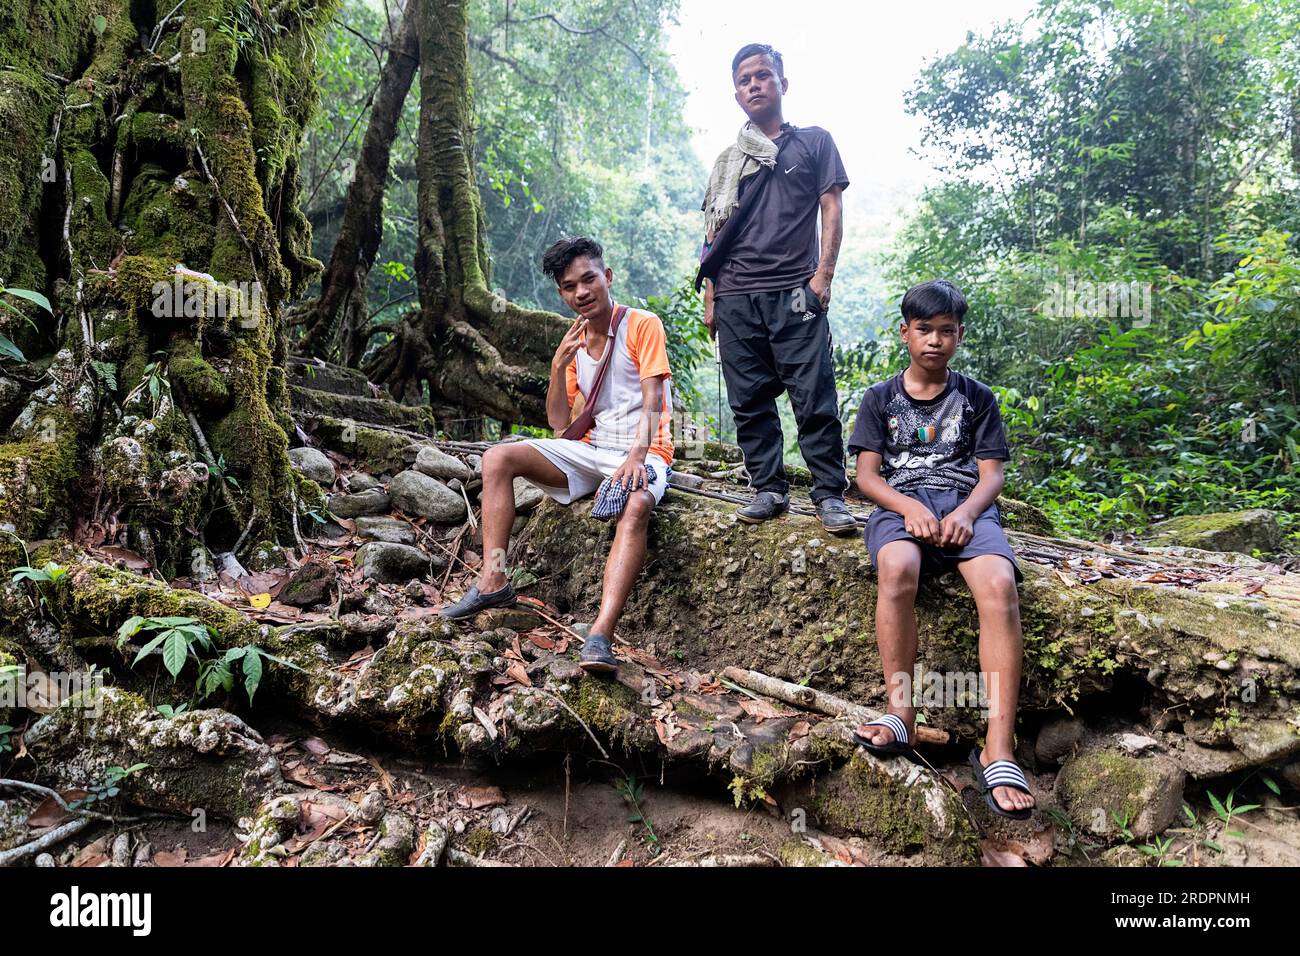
<point>768,287</point>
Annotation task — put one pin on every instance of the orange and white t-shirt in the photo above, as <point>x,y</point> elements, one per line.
<point>640,352</point>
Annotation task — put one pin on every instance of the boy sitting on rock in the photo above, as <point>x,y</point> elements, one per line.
<point>628,442</point>
<point>931,447</point>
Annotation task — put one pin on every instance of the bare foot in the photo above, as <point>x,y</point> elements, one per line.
<point>880,736</point>
<point>1008,798</point>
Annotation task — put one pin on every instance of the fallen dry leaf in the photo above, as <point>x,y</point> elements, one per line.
<point>517,673</point>
<point>49,813</point>
<point>476,798</point>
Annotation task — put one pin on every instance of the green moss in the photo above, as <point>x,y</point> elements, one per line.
<point>610,709</point>
<point>797,853</point>
<point>198,383</point>
<point>481,841</point>
<point>1103,780</point>
<point>861,800</point>
<point>36,475</point>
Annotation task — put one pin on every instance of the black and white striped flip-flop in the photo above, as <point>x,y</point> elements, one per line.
<point>1000,773</point>
<point>901,744</point>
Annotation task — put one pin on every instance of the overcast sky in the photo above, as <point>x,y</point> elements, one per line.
<point>849,64</point>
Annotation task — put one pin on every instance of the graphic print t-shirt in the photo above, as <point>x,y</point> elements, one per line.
<point>932,443</point>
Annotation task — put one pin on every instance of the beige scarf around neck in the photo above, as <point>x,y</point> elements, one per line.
<point>752,151</point>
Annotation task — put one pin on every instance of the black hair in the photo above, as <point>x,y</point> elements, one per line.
<point>936,297</point>
<point>754,49</point>
<point>558,258</point>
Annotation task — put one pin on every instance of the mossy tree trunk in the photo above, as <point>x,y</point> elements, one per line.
<point>158,139</point>
<point>477,353</point>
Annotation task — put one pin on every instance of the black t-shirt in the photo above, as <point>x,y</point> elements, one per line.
<point>777,247</point>
<point>934,443</point>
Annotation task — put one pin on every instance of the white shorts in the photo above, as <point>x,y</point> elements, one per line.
<point>586,466</point>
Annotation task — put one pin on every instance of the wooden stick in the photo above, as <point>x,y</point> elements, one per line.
<point>819,701</point>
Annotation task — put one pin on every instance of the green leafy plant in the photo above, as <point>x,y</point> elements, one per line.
<point>180,639</point>
<point>175,638</point>
<point>1122,821</point>
<point>1227,810</point>
<point>45,580</point>
<point>1160,850</point>
<point>109,787</point>
<point>220,673</point>
<point>7,347</point>
<point>219,469</point>
<point>153,380</point>
<point>172,710</point>
<point>630,789</point>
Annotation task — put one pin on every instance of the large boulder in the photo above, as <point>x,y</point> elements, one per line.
<point>1241,531</point>
<point>417,494</point>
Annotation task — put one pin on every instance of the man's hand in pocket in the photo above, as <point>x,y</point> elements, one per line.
<point>821,285</point>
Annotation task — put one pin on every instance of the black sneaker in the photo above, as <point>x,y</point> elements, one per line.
<point>597,655</point>
<point>475,601</point>
<point>766,505</point>
<point>836,517</point>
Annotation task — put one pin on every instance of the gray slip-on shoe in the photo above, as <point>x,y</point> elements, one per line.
<point>475,601</point>
<point>597,655</point>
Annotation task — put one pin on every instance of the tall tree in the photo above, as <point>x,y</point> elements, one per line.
<point>473,350</point>
<point>337,321</point>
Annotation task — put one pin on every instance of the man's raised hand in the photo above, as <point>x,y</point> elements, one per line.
<point>570,344</point>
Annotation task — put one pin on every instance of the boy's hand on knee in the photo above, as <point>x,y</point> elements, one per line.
<point>921,523</point>
<point>955,529</point>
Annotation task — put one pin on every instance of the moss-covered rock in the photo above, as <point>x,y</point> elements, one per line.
<point>1242,531</point>
<point>1105,790</point>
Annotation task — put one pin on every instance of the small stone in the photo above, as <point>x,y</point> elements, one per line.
<point>681,479</point>
<point>1225,665</point>
<point>121,851</point>
<point>391,563</point>
<point>313,464</point>
<point>527,495</point>
<point>310,584</point>
<point>1137,744</point>
<point>416,493</point>
<point>438,464</point>
<point>1057,739</point>
<point>371,808</point>
<point>386,528</point>
<point>372,502</point>
<point>360,481</point>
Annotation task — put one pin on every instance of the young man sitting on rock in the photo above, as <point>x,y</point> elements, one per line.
<point>930,447</point>
<point>620,446</point>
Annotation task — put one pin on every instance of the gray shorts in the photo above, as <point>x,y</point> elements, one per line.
<point>884,526</point>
